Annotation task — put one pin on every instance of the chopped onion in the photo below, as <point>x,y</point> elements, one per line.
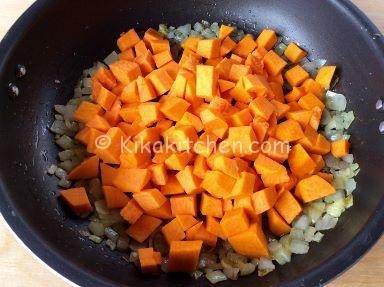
<point>163,29</point>
<point>67,165</point>
<point>336,208</point>
<point>314,210</point>
<point>338,182</point>
<point>87,82</point>
<point>59,127</point>
<point>331,161</point>
<point>285,241</point>
<point>309,233</point>
<point>111,234</point>
<point>65,142</point>
<point>265,266</point>
<point>333,197</point>
<point>215,276</point>
<point>101,207</point>
<point>297,234</point>
<point>326,117</point>
<point>64,183</point>
<point>231,273</point>
<point>302,222</point>
<point>196,274</point>
<point>348,119</point>
<point>65,155</point>
<point>110,244</point>
<point>350,185</point>
<point>246,268</point>
<point>236,258</point>
<point>280,49</point>
<point>313,67</point>
<point>198,27</point>
<point>111,58</point>
<point>335,101</point>
<point>348,158</point>
<point>348,201</point>
<point>299,246</point>
<point>226,263</point>
<point>96,228</point>
<point>60,173</point>
<point>278,252</point>
<point>185,29</point>
<point>134,258</point>
<point>318,236</point>
<point>214,266</point>
<point>207,259</point>
<point>326,222</point>
<point>95,238</point>
<point>52,169</point>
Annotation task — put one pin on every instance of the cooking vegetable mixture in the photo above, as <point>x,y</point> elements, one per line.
<point>206,150</point>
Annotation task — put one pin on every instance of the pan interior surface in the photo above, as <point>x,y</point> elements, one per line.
<point>56,40</point>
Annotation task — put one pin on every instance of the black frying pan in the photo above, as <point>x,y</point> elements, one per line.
<point>58,39</point>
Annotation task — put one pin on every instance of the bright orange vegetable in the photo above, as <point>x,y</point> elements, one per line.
<point>267,39</point>
<point>149,199</point>
<point>184,255</point>
<point>294,53</point>
<point>296,76</point>
<point>210,205</point>
<point>276,223</point>
<point>114,197</point>
<point>162,212</point>
<point>325,75</point>
<point>128,40</point>
<point>340,148</point>
<point>172,186</point>
<point>312,188</point>
<point>289,130</point>
<point>110,145</point>
<point>264,199</point>
<point>149,260</point>
<point>300,162</point>
<point>218,184</point>
<point>173,231</point>
<point>131,211</point>
<point>77,200</point>
<point>143,227</point>
<point>131,179</point>
<point>274,63</point>
<point>287,206</point>
<point>199,232</point>
<point>234,221</point>
<point>250,243</point>
<point>209,48</point>
<point>213,226</point>
<point>125,71</point>
<point>189,182</point>
<point>88,169</point>
<point>186,221</point>
<point>86,111</point>
<point>245,46</point>
<point>184,205</point>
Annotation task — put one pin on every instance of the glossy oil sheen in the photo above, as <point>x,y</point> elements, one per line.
<point>56,40</point>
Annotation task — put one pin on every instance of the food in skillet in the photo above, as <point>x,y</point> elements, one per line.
<point>206,151</point>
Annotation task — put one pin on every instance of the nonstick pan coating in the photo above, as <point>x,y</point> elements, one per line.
<point>57,39</point>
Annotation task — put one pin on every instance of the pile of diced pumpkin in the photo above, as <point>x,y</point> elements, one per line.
<point>230,93</point>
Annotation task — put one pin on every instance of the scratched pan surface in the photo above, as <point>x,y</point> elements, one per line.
<point>58,39</point>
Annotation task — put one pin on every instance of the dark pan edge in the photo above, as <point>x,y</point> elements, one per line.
<point>363,241</point>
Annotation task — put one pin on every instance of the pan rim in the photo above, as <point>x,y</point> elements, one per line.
<point>335,266</point>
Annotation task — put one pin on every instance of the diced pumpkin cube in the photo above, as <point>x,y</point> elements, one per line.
<point>218,184</point>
